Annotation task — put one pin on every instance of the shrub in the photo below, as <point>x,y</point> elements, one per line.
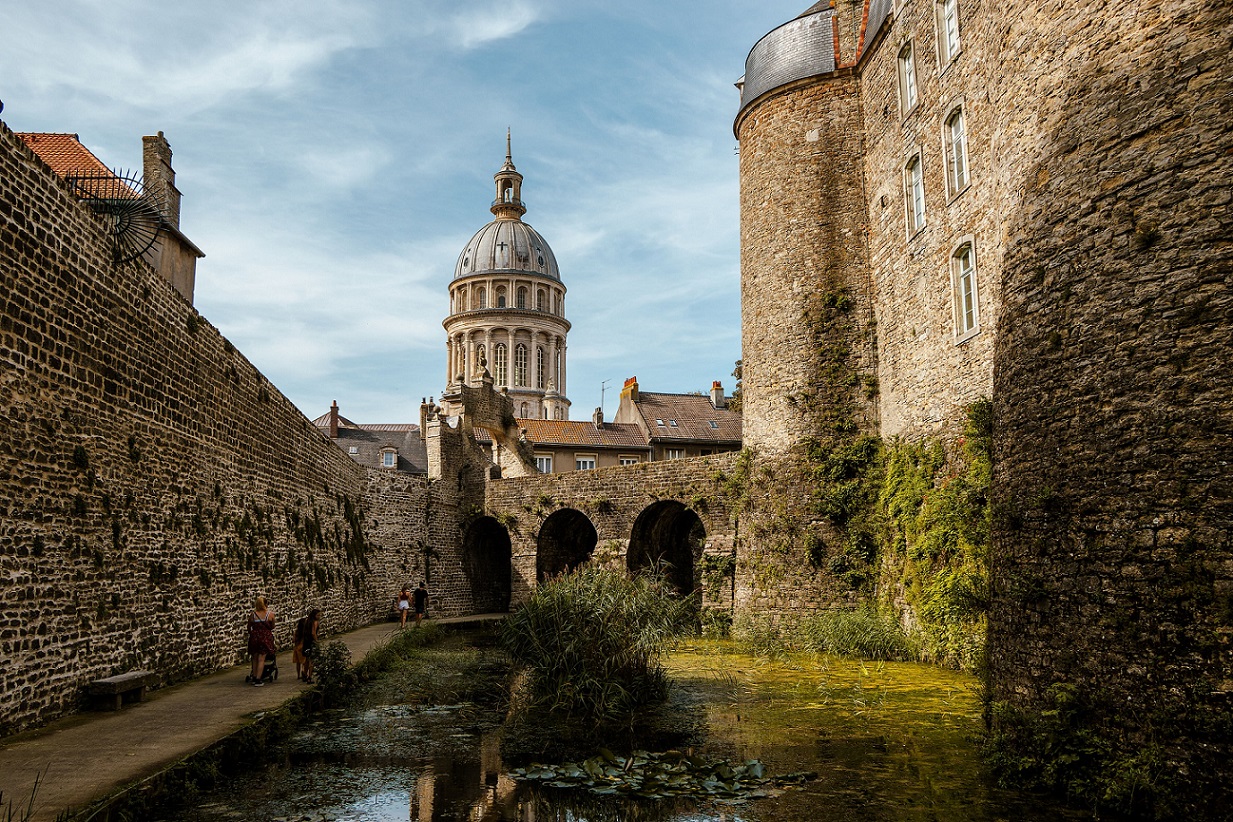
<point>332,668</point>
<point>591,642</point>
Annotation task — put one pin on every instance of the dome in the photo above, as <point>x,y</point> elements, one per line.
<point>507,246</point>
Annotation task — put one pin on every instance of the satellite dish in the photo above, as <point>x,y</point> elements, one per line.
<point>134,212</point>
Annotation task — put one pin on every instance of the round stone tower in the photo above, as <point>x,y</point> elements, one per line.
<point>804,272</point>
<point>507,308</point>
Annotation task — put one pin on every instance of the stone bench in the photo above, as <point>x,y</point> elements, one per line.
<point>129,687</point>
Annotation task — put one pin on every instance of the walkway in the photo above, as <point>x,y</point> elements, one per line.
<point>86,756</point>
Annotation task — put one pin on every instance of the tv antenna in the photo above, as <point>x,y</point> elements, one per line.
<point>134,213</point>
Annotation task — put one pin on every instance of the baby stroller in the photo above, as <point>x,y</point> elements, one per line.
<point>269,673</point>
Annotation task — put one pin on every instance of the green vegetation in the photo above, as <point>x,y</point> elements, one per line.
<point>666,775</point>
<point>936,519</point>
<point>591,643</point>
<point>864,633</point>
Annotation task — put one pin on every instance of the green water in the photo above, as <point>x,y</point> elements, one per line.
<point>889,741</point>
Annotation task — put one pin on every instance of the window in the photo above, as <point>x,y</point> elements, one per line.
<point>481,356</point>
<point>501,297</point>
<point>672,423</point>
<point>389,459</point>
<point>628,460</point>
<point>353,450</point>
<point>482,299</point>
<point>522,298</point>
<point>914,194</point>
<point>543,462</point>
<point>967,309</point>
<point>659,422</point>
<point>539,366</point>
<point>520,364</point>
<point>956,145</point>
<point>540,298</point>
<point>501,356</point>
<point>948,31</point>
<point>907,79</point>
<point>675,453</point>
<point>584,463</point>
<point>714,425</point>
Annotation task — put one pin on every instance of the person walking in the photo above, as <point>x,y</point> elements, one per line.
<point>421,602</point>
<point>297,653</point>
<point>403,603</point>
<point>260,639</point>
<point>310,643</point>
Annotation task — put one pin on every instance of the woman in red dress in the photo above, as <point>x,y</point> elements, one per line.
<point>260,638</point>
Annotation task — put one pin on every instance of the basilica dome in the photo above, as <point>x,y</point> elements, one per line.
<point>507,246</point>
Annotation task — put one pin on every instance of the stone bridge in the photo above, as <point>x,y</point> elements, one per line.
<point>673,513</point>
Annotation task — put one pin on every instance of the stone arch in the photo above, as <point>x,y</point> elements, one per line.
<point>668,533</point>
<point>566,540</point>
<point>487,565</point>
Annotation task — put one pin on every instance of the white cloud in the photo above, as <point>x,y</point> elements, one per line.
<point>496,21</point>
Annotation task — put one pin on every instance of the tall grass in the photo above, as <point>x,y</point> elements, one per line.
<point>591,641</point>
<point>864,633</point>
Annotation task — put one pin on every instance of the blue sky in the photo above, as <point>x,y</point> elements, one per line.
<point>335,157</point>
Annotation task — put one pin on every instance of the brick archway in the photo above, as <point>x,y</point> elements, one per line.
<point>566,540</point>
<point>487,566</point>
<point>667,534</point>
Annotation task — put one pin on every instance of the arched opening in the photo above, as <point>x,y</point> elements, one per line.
<point>486,565</point>
<point>566,540</point>
<point>668,535</point>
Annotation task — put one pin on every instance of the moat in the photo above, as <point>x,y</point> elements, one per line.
<point>887,741</point>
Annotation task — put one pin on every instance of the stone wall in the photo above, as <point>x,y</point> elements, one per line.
<point>612,499</point>
<point>1113,560</point>
<point>926,373</point>
<point>152,481</point>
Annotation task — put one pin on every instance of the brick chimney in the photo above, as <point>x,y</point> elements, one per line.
<point>717,395</point>
<point>631,389</point>
<point>159,176</point>
<point>598,417</point>
<point>334,420</point>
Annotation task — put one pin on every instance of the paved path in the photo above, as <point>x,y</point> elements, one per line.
<point>88,755</point>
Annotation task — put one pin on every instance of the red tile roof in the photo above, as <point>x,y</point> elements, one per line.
<point>64,153</point>
<point>693,415</point>
<point>578,432</point>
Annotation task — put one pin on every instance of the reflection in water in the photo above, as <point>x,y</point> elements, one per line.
<point>891,742</point>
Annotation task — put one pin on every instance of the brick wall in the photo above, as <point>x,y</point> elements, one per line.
<point>152,481</point>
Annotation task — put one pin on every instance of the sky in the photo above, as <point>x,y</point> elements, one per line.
<point>335,158</point>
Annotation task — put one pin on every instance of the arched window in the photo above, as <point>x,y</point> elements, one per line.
<point>482,298</point>
<point>522,298</point>
<point>520,365</point>
<point>955,139</point>
<point>914,194</point>
<point>500,296</point>
<point>481,356</point>
<point>963,274</point>
<point>500,355</point>
<point>540,300</point>
<point>907,79</point>
<point>539,366</point>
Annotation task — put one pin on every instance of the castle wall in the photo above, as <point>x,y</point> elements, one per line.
<point>803,251</point>
<point>1113,544</point>
<point>612,499</point>
<point>152,481</point>
<point>926,372</point>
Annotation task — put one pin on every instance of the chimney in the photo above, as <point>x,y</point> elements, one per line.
<point>631,388</point>
<point>717,395</point>
<point>334,420</point>
<point>598,417</point>
<point>159,177</point>
<point>425,409</point>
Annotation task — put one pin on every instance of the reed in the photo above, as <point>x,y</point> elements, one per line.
<point>590,642</point>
